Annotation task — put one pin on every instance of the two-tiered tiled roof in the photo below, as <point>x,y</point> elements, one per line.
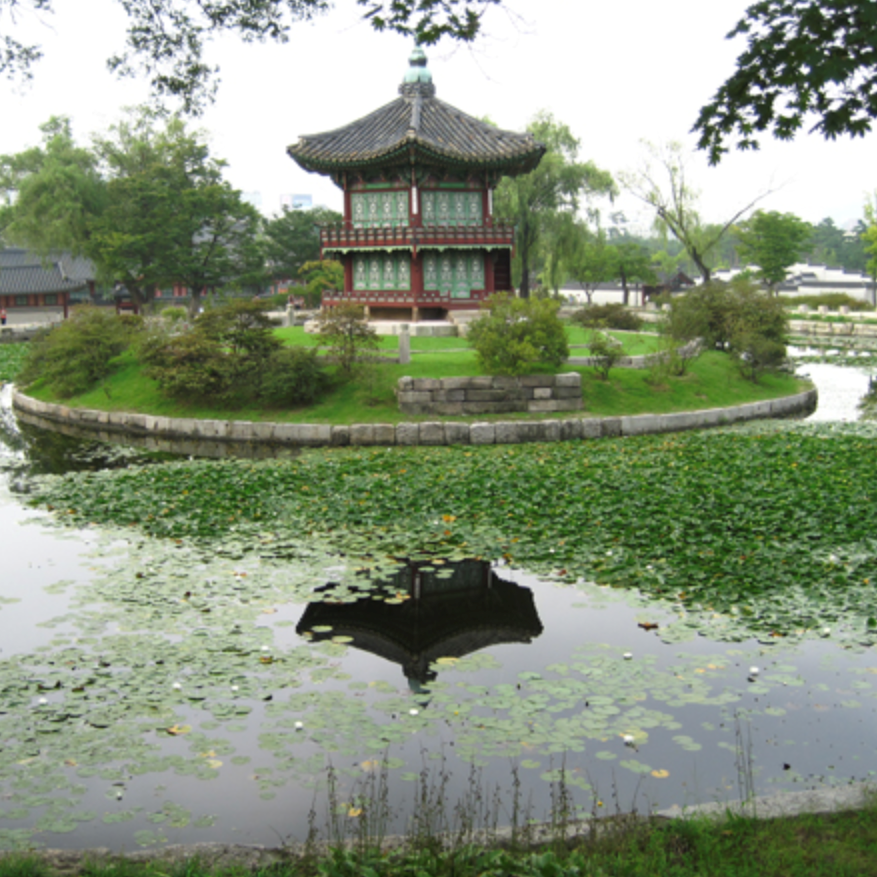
<point>418,125</point>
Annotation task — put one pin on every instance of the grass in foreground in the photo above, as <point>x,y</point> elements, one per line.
<point>840,845</point>
<point>712,381</point>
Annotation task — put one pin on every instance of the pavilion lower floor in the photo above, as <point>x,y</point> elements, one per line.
<point>405,306</point>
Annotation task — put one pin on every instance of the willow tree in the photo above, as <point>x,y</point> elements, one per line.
<point>560,184</point>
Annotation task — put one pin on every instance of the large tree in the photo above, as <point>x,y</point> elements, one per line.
<point>831,245</point>
<point>166,38</point>
<point>559,184</point>
<point>773,241</point>
<point>806,61</point>
<point>293,238</point>
<point>869,236</point>
<point>146,203</point>
<point>593,260</point>
<point>55,190</point>
<point>662,183</point>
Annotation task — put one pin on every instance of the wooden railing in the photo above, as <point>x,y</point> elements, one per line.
<point>347,235</point>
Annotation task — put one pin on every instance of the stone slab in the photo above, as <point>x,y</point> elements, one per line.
<point>610,427</point>
<point>407,433</point>
<point>362,434</point>
<point>592,428</point>
<point>384,434</point>
<point>482,433</point>
<point>421,384</point>
<point>432,433</point>
<point>538,380</point>
<point>447,409</point>
<point>570,430</point>
<point>457,433</point>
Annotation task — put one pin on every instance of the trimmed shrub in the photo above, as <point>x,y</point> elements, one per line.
<point>293,377</point>
<point>606,350</point>
<point>514,333</point>
<point>74,355</point>
<point>174,314</point>
<point>608,316</point>
<point>189,366</point>
<point>348,335</point>
<point>739,318</point>
<point>833,300</point>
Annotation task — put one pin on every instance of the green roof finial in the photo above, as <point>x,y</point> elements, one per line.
<point>417,70</point>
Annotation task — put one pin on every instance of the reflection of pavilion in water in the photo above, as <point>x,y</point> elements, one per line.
<point>448,611</point>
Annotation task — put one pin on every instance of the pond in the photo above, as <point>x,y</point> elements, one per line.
<point>189,675</point>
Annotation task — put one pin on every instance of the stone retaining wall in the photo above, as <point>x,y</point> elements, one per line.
<point>292,435</point>
<point>490,395</point>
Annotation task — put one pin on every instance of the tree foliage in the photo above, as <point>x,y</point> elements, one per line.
<point>869,236</point>
<point>74,355</point>
<point>166,40</point>
<point>662,183</point>
<point>773,241</point>
<point>805,60</point>
<point>346,331</point>
<point>830,245</point>
<point>321,275</point>
<point>231,356</point>
<point>592,261</point>
<point>738,318</point>
<point>558,185</point>
<point>512,334</point>
<point>146,203</point>
<point>293,238</point>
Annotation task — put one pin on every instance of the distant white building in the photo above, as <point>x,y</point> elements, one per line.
<point>804,279</point>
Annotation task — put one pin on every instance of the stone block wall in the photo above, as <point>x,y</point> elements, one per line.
<point>490,395</point>
<point>212,438</point>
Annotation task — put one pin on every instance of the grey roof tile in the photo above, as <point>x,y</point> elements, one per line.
<point>23,272</point>
<point>438,132</point>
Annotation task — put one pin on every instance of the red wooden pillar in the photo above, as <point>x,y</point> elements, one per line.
<point>416,279</point>
<point>348,273</point>
<point>489,278</point>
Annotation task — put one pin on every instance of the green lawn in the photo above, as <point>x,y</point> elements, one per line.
<point>712,381</point>
<point>635,343</point>
<point>832,845</point>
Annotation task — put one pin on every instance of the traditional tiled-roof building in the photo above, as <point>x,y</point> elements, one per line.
<point>418,237</point>
<point>28,281</point>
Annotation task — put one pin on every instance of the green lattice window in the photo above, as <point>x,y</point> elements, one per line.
<point>456,272</point>
<point>382,271</point>
<point>375,209</point>
<point>451,208</point>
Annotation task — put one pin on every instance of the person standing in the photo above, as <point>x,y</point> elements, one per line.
<point>2,316</point>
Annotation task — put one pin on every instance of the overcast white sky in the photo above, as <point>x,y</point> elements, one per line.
<point>615,72</point>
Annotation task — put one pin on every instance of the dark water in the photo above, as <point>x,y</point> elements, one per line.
<point>449,680</point>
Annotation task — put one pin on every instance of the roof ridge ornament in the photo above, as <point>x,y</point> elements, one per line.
<point>418,77</point>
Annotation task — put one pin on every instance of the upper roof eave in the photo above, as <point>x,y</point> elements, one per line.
<point>417,120</point>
